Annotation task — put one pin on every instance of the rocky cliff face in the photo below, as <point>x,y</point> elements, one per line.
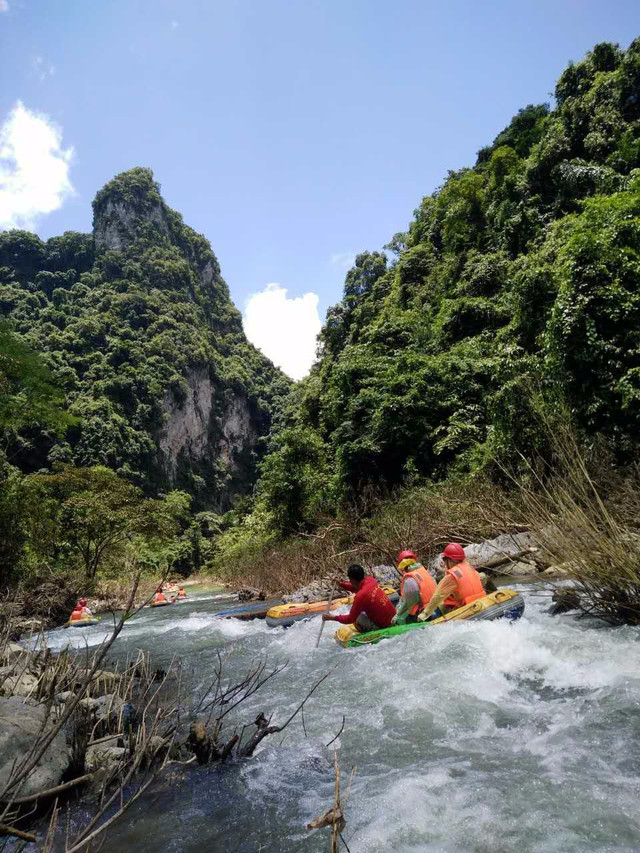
<point>203,433</point>
<point>118,224</point>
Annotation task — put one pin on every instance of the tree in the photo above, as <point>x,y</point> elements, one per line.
<point>97,513</point>
<point>28,394</point>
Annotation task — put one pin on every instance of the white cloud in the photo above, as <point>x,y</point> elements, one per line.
<point>42,68</point>
<point>343,260</point>
<point>284,329</point>
<point>4,5</point>
<point>34,168</point>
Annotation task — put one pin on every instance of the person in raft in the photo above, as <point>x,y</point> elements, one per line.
<point>159,596</point>
<point>86,613</point>
<point>371,609</point>
<point>76,614</point>
<point>460,585</point>
<point>416,588</point>
<point>181,592</point>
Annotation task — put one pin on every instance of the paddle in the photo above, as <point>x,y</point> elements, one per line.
<point>326,610</point>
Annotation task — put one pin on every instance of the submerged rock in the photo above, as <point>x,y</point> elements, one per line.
<point>20,725</point>
<point>564,600</point>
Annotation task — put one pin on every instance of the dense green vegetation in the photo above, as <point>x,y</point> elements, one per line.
<point>512,296</point>
<point>105,338</point>
<point>519,274</point>
<point>123,318</point>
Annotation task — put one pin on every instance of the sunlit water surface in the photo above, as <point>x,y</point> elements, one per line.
<point>486,736</point>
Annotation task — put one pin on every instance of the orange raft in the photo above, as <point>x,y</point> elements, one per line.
<point>284,615</point>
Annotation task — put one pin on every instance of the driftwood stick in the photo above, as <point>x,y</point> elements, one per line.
<point>228,747</point>
<point>339,733</point>
<point>17,833</point>
<point>50,792</point>
<point>335,833</point>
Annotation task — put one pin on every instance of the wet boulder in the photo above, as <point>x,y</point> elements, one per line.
<point>20,726</point>
<point>249,593</point>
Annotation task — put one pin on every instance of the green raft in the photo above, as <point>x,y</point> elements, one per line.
<point>503,604</point>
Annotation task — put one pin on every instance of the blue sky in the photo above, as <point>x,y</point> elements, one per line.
<point>292,133</point>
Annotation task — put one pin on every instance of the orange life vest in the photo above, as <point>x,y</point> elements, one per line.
<point>76,615</point>
<point>469,585</point>
<point>159,596</point>
<point>426,586</point>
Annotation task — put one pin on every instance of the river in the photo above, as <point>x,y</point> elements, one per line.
<point>482,737</point>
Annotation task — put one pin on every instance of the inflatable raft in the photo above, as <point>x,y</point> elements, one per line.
<point>257,610</point>
<point>81,623</point>
<point>286,614</point>
<point>505,603</point>
<point>160,603</point>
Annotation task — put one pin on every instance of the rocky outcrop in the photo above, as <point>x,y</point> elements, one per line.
<point>125,208</point>
<point>20,726</point>
<point>188,422</point>
<point>199,434</point>
<point>119,224</point>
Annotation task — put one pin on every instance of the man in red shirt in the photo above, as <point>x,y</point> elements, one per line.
<point>371,609</point>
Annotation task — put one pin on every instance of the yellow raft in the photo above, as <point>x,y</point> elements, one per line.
<point>505,603</point>
<point>81,623</point>
<point>284,615</point>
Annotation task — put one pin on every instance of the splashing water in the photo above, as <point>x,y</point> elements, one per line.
<point>485,736</point>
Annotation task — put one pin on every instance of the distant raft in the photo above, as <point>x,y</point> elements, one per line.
<point>505,603</point>
<point>81,623</point>
<point>257,610</point>
<point>285,615</point>
<point>160,603</point>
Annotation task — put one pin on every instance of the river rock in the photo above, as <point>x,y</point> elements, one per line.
<point>564,600</point>
<point>386,575</point>
<point>519,569</point>
<point>28,627</point>
<point>20,725</point>
<point>157,744</point>
<point>505,544</point>
<point>103,706</point>
<point>13,652</point>
<point>107,757</point>
<point>101,679</point>
<point>63,698</point>
<point>20,684</point>
<point>249,593</point>
<point>559,571</point>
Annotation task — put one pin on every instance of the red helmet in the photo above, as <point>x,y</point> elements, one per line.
<point>454,551</point>
<point>406,555</point>
<point>82,602</point>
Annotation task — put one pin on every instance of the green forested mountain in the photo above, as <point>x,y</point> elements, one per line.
<point>137,328</point>
<point>520,273</point>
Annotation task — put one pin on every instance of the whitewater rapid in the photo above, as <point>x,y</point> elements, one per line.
<point>485,736</point>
